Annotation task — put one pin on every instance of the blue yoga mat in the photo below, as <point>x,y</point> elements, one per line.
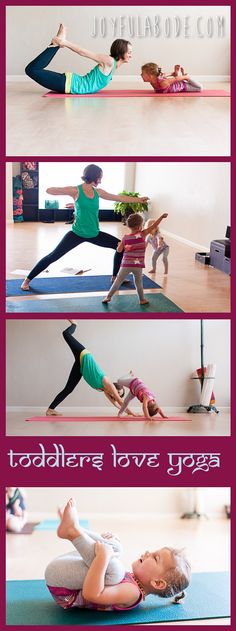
<point>70,285</point>
<point>158,303</point>
<point>52,524</point>
<point>29,603</point>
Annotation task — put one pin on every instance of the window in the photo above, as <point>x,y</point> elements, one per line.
<point>69,174</point>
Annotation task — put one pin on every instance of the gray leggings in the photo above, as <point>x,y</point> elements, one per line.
<point>193,86</point>
<point>156,255</point>
<point>137,273</point>
<point>70,570</point>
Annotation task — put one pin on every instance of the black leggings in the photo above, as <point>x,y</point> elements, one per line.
<point>70,241</point>
<point>75,373</point>
<point>47,78</point>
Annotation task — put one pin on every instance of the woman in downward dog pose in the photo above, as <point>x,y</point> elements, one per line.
<point>85,366</point>
<point>86,224</point>
<point>70,82</point>
<point>93,577</point>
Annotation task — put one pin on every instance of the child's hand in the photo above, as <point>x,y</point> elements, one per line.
<point>165,215</point>
<point>128,248</point>
<point>103,551</point>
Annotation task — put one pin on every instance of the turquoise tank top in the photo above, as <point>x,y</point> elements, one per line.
<point>91,371</point>
<point>92,82</point>
<point>86,222</point>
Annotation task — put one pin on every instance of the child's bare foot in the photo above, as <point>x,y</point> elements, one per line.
<point>51,412</point>
<point>144,302</point>
<point>69,526</point>
<point>25,285</point>
<point>73,322</point>
<point>106,300</point>
<point>151,271</point>
<point>60,36</point>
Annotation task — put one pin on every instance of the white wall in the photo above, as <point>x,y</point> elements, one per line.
<point>156,501</point>
<point>29,30</point>
<point>195,194</point>
<point>164,353</point>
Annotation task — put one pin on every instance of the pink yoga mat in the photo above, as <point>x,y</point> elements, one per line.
<point>88,419</point>
<point>128,93</point>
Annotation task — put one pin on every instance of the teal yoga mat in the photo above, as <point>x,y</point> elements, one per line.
<point>126,303</point>
<point>70,285</point>
<point>29,603</point>
<point>52,524</point>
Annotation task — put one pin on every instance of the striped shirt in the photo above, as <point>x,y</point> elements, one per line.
<point>134,256</point>
<point>138,389</point>
<point>177,86</point>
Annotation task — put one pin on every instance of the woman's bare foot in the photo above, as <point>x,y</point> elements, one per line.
<point>144,302</point>
<point>73,322</point>
<point>25,285</point>
<point>60,37</point>
<point>106,300</point>
<point>51,412</point>
<point>69,526</point>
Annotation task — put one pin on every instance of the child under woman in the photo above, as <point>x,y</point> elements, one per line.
<point>138,389</point>
<point>93,577</point>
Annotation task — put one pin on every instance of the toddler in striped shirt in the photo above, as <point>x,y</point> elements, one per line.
<point>133,245</point>
<point>138,389</point>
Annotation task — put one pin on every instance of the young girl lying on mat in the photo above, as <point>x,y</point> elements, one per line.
<point>70,82</point>
<point>85,366</point>
<point>16,515</point>
<point>159,246</point>
<point>161,82</point>
<point>133,245</point>
<point>93,577</point>
<point>86,227</point>
<point>138,389</point>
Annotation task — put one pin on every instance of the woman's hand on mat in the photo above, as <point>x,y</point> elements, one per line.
<point>103,551</point>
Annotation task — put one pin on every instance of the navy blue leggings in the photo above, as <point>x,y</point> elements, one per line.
<point>47,78</point>
<point>75,373</point>
<point>70,241</point>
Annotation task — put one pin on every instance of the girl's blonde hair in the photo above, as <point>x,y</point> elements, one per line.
<point>152,69</point>
<point>177,578</point>
<point>150,223</point>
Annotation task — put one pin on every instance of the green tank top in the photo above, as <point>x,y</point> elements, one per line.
<point>86,222</point>
<point>92,82</point>
<point>92,373</point>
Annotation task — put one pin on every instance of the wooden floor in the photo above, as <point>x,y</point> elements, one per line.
<point>116,127</point>
<point>208,424</point>
<point>206,543</point>
<point>194,287</point>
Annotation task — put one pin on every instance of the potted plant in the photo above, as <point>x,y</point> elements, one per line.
<point>125,209</point>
